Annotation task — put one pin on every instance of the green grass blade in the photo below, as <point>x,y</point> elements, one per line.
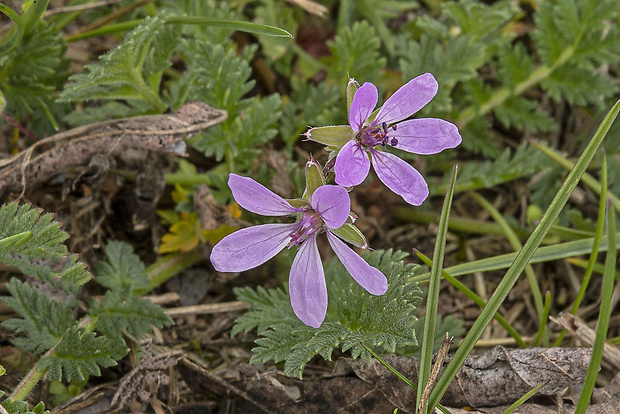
<point>515,243</point>
<point>542,329</point>
<point>604,315</point>
<point>477,299</point>
<point>523,257</point>
<point>543,254</point>
<point>391,368</point>
<point>600,226</point>
<point>426,351</point>
<point>523,399</point>
<point>249,27</point>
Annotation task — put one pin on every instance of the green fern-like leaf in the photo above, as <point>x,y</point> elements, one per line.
<point>123,268</point>
<point>269,308</point>
<point>355,53</point>
<point>578,85</point>
<point>43,319</point>
<point>32,73</point>
<point>39,255</point>
<point>120,310</point>
<point>126,72</point>
<point>523,114</point>
<point>574,35</point>
<point>222,76</point>
<point>80,354</point>
<point>353,316</point>
<point>577,24</point>
<point>222,80</point>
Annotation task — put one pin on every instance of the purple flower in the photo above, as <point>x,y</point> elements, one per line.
<point>369,135</point>
<point>326,210</point>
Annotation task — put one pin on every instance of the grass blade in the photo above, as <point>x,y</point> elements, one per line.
<point>600,225</point>
<point>523,399</point>
<point>543,254</point>
<point>426,351</point>
<point>523,257</point>
<point>604,315</point>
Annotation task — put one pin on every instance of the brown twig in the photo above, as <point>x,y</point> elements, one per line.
<point>163,133</point>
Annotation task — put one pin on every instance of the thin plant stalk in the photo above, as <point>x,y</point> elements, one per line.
<point>604,315</point>
<point>426,351</point>
<point>523,257</point>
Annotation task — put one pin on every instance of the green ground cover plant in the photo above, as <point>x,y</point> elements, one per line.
<point>500,110</point>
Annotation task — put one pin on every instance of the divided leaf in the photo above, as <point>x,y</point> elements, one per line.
<point>120,310</point>
<point>42,333</point>
<point>121,74</point>
<point>42,255</point>
<point>33,71</point>
<point>80,354</point>
<point>124,268</point>
<point>355,54</point>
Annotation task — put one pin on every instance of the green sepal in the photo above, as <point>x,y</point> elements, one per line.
<point>314,177</point>
<point>351,234</point>
<point>334,136</point>
<point>297,202</point>
<point>352,87</point>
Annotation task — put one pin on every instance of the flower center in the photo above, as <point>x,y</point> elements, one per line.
<point>371,136</point>
<point>309,224</point>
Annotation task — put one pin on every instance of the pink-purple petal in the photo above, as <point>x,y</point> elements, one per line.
<point>408,100</point>
<point>368,277</point>
<point>306,285</point>
<point>333,204</point>
<point>257,198</point>
<point>364,102</point>
<point>250,247</point>
<point>426,135</point>
<point>352,164</point>
<point>400,177</point>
